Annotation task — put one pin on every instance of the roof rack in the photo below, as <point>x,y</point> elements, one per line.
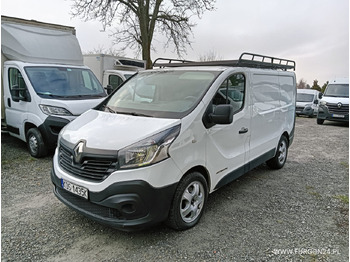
<point>245,60</point>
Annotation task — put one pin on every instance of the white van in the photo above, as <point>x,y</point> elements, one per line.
<point>307,102</point>
<point>334,104</point>
<point>155,148</point>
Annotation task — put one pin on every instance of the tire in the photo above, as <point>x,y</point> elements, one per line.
<point>35,143</point>
<point>320,121</point>
<point>280,158</point>
<point>189,201</point>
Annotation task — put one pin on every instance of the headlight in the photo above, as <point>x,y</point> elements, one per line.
<point>54,110</point>
<point>323,103</point>
<point>148,151</point>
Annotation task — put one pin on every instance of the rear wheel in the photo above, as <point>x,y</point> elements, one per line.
<point>189,201</point>
<point>35,143</point>
<point>280,158</point>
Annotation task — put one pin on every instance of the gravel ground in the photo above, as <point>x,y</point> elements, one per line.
<point>298,213</point>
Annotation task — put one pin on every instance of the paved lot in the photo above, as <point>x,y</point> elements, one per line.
<point>299,213</point>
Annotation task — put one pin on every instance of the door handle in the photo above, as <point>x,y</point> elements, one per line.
<point>9,102</point>
<point>243,130</point>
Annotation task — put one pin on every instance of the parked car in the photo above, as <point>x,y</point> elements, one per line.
<point>158,145</point>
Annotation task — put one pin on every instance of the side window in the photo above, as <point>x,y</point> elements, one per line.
<point>18,88</point>
<point>231,92</point>
<point>115,81</point>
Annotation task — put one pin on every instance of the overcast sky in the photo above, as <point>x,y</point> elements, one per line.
<point>314,33</point>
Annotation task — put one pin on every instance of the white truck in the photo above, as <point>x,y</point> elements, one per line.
<point>44,82</point>
<point>112,71</point>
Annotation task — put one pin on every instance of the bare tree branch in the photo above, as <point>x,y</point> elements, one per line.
<point>137,21</point>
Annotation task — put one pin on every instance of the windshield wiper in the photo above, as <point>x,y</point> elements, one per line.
<point>109,109</point>
<point>133,114</point>
<point>50,95</point>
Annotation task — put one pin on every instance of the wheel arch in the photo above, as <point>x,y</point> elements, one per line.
<point>203,171</point>
<point>27,126</point>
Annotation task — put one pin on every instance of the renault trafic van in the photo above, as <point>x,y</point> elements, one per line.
<point>157,146</point>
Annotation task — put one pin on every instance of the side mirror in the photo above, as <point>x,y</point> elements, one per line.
<point>223,114</point>
<point>320,95</point>
<point>20,94</point>
<point>109,89</point>
<point>316,102</point>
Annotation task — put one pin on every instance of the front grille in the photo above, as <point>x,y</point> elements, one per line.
<point>334,109</point>
<point>92,167</point>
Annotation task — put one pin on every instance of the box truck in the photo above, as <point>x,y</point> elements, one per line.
<point>44,82</point>
<point>112,71</point>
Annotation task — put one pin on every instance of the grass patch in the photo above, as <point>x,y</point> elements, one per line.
<point>345,164</point>
<point>343,198</point>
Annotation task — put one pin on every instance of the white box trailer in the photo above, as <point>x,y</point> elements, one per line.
<point>112,71</point>
<point>45,84</point>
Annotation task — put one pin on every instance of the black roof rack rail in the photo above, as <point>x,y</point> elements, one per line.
<point>245,60</point>
<point>170,60</point>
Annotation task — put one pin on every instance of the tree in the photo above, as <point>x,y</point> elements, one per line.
<point>324,87</point>
<point>210,56</point>
<point>102,50</point>
<point>301,84</point>
<point>316,86</point>
<point>138,20</point>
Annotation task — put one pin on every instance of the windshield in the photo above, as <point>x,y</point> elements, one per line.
<point>168,94</point>
<point>64,82</point>
<point>305,97</point>
<point>337,90</point>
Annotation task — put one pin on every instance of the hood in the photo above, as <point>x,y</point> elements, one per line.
<point>108,131</point>
<point>335,100</point>
<point>304,103</point>
<point>76,107</point>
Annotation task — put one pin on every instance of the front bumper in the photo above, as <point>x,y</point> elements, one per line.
<point>307,111</point>
<point>51,128</point>
<point>325,114</point>
<point>128,205</point>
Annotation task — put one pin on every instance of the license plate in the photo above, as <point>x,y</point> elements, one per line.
<point>338,116</point>
<point>75,189</point>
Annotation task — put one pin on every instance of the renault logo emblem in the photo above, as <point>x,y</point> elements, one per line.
<point>339,105</point>
<point>78,152</point>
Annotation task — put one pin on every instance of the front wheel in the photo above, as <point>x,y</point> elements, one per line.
<point>280,158</point>
<point>320,121</point>
<point>189,201</point>
<point>35,143</point>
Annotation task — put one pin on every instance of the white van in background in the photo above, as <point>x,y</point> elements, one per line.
<point>334,104</point>
<point>307,102</point>
<point>155,148</point>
